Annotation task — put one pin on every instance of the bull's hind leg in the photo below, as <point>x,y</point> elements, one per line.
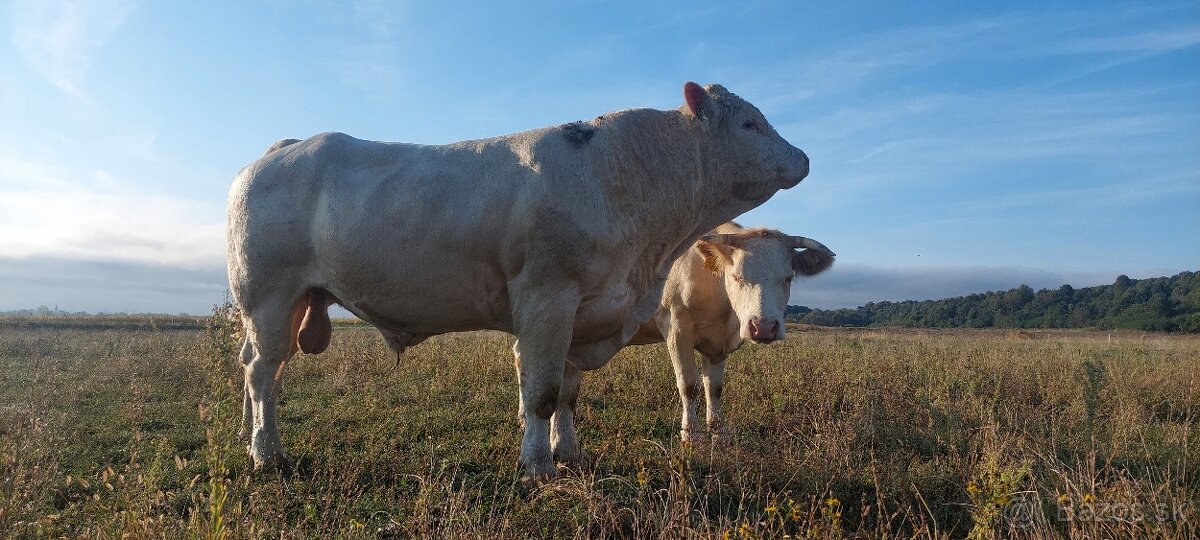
<point>270,331</point>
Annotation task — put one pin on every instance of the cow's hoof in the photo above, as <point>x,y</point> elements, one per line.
<point>567,453</point>
<point>693,437</point>
<point>578,458</point>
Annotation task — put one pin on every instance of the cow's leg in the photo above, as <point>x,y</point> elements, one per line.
<point>520,396</point>
<point>687,378</point>
<point>544,319</point>
<point>563,439</point>
<point>247,407</point>
<point>714,383</point>
<point>270,331</point>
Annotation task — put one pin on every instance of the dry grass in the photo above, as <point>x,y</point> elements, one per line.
<point>839,434</point>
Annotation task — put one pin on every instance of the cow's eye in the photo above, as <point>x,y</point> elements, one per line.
<point>787,280</point>
<point>752,125</point>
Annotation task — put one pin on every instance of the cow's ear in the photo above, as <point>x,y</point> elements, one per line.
<point>810,262</point>
<point>715,257</point>
<point>697,99</point>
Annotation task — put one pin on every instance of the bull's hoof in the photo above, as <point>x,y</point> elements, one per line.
<point>539,473</point>
<point>276,461</point>
<point>566,452</point>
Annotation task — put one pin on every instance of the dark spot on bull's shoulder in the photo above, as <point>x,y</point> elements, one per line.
<point>578,133</point>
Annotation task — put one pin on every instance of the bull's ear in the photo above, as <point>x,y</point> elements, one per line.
<point>698,102</point>
<point>810,262</point>
<point>715,256</point>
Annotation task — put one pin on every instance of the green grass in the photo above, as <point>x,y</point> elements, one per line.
<point>120,431</point>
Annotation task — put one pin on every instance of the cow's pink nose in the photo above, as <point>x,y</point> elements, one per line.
<point>761,330</point>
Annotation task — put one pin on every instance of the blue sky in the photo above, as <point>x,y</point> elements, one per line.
<point>957,147</point>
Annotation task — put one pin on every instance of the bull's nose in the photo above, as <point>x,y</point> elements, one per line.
<point>763,331</point>
<point>793,177</point>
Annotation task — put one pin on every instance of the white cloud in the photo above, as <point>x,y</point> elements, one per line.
<point>58,40</point>
<point>94,216</point>
<point>108,286</point>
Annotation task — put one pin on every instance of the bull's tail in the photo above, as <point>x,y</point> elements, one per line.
<point>315,329</point>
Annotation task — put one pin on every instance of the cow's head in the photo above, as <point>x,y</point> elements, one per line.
<point>757,266</point>
<point>743,152</point>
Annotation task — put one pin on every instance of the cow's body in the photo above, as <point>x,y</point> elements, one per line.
<point>733,287</point>
<point>562,236</point>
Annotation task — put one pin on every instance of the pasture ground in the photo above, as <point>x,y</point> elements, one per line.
<point>129,430</point>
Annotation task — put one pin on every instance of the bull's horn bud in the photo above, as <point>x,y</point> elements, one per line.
<point>809,243</point>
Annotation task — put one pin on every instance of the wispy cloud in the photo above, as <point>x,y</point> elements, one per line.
<point>58,40</point>
<point>370,59</point>
<point>90,215</point>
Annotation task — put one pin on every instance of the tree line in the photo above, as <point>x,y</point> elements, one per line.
<point>1156,304</point>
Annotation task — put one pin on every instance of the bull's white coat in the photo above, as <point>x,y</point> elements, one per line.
<point>732,287</point>
<point>562,236</point>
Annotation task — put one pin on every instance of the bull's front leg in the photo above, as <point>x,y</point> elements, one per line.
<point>563,439</point>
<point>680,345</point>
<point>544,320</point>
<point>714,383</point>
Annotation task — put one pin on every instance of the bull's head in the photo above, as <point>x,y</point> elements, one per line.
<point>742,147</point>
<point>758,267</point>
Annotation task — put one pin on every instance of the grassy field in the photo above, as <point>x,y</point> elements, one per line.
<point>129,431</point>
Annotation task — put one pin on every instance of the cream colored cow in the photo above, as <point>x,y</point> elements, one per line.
<point>732,287</point>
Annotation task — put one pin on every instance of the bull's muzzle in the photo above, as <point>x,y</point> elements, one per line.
<point>793,176</point>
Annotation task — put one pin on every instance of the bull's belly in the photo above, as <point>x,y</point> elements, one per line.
<point>417,319</point>
<point>601,316</point>
<point>427,301</point>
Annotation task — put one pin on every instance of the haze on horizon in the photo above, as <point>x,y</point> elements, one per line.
<point>956,148</point>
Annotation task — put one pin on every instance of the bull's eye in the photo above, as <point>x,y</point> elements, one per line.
<point>787,280</point>
<point>752,124</point>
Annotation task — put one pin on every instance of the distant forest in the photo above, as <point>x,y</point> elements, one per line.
<point>1158,304</point>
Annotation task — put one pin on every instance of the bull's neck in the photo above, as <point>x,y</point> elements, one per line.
<point>658,160</point>
<point>661,186</point>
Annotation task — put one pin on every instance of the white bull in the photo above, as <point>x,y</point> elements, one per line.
<point>562,236</point>
<point>732,287</point>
